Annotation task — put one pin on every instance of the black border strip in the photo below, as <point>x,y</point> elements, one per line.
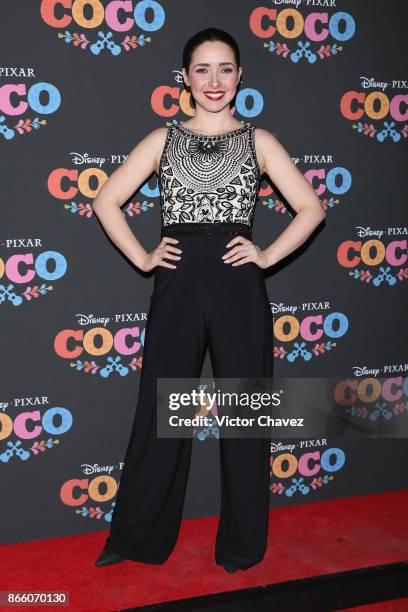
<point>327,592</point>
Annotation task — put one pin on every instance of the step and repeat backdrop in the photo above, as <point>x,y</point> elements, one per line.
<point>81,82</point>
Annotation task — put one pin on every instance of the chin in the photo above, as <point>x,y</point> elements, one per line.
<point>214,107</point>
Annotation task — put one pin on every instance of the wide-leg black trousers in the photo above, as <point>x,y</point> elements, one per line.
<point>204,303</point>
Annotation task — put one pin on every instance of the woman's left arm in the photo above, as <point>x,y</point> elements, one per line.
<point>278,165</point>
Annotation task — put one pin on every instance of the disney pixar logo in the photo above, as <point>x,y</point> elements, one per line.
<point>312,333</point>
<point>103,348</point>
<point>87,492</point>
<point>76,184</point>
<point>379,257</point>
<point>18,97</point>
<point>375,402</point>
<point>320,34</point>
<point>309,469</point>
<point>364,108</point>
<point>22,271</point>
<point>330,180</point>
<point>36,428</point>
<point>114,20</point>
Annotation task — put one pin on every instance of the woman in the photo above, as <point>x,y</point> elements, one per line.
<point>208,282</point>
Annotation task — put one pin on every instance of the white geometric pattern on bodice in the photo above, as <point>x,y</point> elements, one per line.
<point>211,179</point>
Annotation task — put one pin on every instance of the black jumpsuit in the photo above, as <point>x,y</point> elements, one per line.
<point>208,188</point>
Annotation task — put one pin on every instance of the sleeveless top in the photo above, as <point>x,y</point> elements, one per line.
<point>208,179</point>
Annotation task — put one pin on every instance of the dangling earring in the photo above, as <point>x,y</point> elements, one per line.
<point>188,89</point>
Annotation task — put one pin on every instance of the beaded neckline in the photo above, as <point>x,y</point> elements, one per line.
<point>200,135</point>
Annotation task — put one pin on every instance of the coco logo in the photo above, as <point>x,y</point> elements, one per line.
<point>28,427</point>
<point>117,17</point>
<point>316,31</point>
<point>101,489</point>
<point>22,268</point>
<point>372,400</point>
<point>370,390</point>
<point>75,187</point>
<point>329,183</point>
<point>306,473</point>
<point>374,260</point>
<point>97,342</point>
<point>308,336</point>
<point>389,109</point>
<point>18,97</point>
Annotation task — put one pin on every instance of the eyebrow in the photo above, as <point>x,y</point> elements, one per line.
<point>221,64</point>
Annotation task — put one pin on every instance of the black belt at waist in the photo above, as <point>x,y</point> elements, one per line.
<point>207,228</point>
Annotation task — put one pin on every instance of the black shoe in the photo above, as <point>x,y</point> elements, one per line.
<point>230,568</point>
<point>108,557</point>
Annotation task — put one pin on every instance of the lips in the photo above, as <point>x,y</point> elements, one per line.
<point>214,95</point>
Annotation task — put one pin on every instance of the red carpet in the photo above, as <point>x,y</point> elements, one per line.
<point>305,540</point>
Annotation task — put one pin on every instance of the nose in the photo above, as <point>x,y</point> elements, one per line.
<point>214,80</point>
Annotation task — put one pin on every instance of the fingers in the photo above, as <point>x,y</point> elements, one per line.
<point>165,251</point>
<point>166,247</point>
<point>164,264</point>
<point>234,251</point>
<point>169,256</point>
<point>238,252</point>
<point>238,239</point>
<point>238,257</point>
<point>241,251</point>
<point>166,240</point>
<point>173,249</point>
<point>242,261</point>
<point>244,251</point>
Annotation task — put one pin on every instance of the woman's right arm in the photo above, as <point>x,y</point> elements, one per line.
<point>122,183</point>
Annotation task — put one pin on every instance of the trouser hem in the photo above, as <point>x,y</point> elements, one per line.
<point>239,563</point>
<point>126,552</point>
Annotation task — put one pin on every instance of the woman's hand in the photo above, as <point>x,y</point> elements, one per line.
<point>156,257</point>
<point>244,252</point>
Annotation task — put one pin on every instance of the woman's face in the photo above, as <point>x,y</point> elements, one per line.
<point>213,75</point>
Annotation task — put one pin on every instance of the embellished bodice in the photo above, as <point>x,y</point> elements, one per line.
<point>208,179</point>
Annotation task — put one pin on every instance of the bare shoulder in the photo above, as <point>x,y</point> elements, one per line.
<point>150,146</point>
<point>158,137</point>
<point>265,138</point>
<point>267,145</point>
<point>159,134</point>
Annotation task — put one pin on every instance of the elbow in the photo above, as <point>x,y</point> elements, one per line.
<point>102,201</point>
<point>322,211</point>
<point>96,207</point>
<point>97,203</point>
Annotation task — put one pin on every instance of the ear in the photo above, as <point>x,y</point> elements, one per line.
<point>239,74</point>
<point>185,77</point>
